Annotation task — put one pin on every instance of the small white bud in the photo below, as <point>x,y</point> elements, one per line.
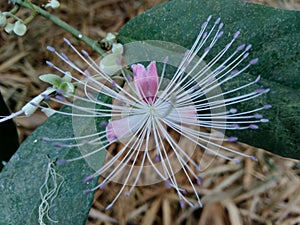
<point>9,28</point>
<point>109,64</point>
<point>2,20</point>
<point>19,28</point>
<point>54,4</point>
<point>110,37</point>
<point>117,48</point>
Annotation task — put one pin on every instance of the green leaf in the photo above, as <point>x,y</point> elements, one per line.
<point>275,36</point>
<point>25,173</point>
<point>52,79</point>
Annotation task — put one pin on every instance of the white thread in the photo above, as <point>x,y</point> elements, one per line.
<point>48,192</point>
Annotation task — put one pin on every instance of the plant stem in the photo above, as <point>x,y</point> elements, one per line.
<point>90,42</point>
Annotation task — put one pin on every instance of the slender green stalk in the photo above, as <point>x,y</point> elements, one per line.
<point>90,42</point>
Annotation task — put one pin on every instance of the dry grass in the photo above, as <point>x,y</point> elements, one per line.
<point>266,192</point>
<point>263,192</point>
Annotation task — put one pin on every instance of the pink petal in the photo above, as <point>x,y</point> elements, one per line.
<point>152,80</point>
<point>187,114</point>
<point>110,134</point>
<point>139,78</point>
<point>146,81</point>
<point>123,128</point>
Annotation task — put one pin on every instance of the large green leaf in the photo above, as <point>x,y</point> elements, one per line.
<point>25,173</point>
<point>275,36</point>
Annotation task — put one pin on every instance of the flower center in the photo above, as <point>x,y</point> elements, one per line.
<point>152,110</point>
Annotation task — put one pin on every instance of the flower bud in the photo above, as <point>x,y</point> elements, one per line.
<point>110,64</point>
<point>2,20</point>
<point>19,28</point>
<point>54,4</point>
<point>117,48</point>
<point>9,28</point>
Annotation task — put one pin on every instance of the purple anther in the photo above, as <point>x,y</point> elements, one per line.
<point>236,161</point>
<point>184,191</point>
<point>233,110</point>
<point>102,185</point>
<point>245,55</point>
<point>207,49</point>
<point>211,79</point>
<point>221,68</point>
<point>257,79</point>
<point>241,47</point>
<point>33,104</point>
<point>221,26</point>
<point>268,106</point>
<point>236,126</point>
<point>217,21</point>
<point>109,206</point>
<point>88,179</point>
<point>46,139</point>
<point>192,205</point>
<point>220,34</point>
<point>127,194</point>
<point>258,116</point>
<point>49,63</point>
<point>253,126</point>
<point>157,158</point>
<point>203,25</point>
<point>50,48</point>
<point>60,98</point>
<point>199,181</point>
<point>233,72</point>
<point>60,91</point>
<point>84,52</point>
<point>67,41</point>
<point>248,47</point>
<point>228,45</point>
<point>114,84</point>
<point>46,97</point>
<point>232,139</point>
<point>196,87</point>
<point>57,144</point>
<point>235,36</point>
<point>64,56</point>
<point>253,158</point>
<point>262,90</point>
<point>264,120</point>
<point>103,123</point>
<point>186,53</point>
<point>182,203</point>
<point>87,191</point>
<point>253,61</point>
<point>61,161</point>
<point>168,184</point>
<point>200,204</point>
<point>209,18</point>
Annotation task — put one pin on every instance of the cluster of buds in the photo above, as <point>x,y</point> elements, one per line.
<point>19,27</point>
